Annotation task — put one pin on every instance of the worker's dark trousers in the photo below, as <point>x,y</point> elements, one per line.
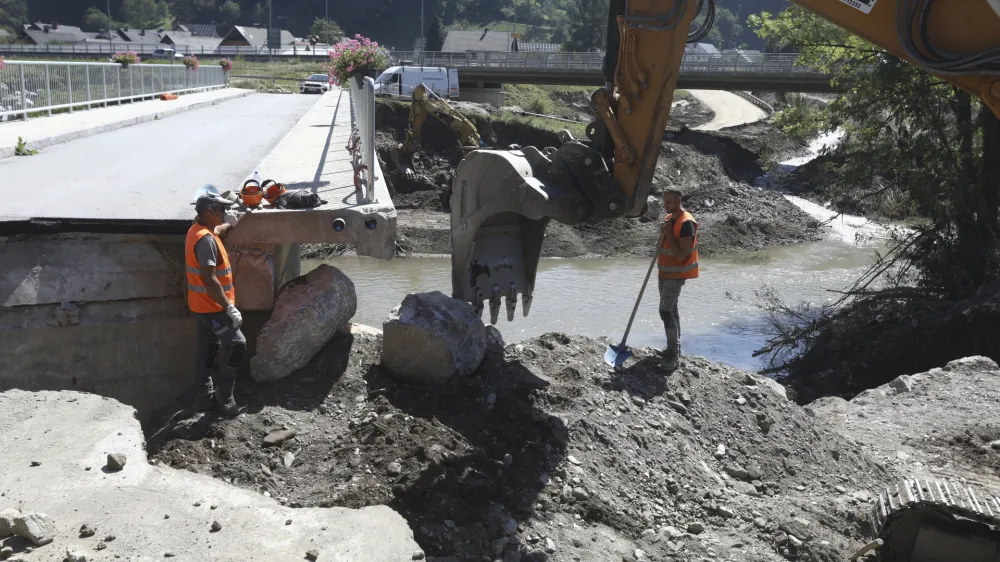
<point>216,331</point>
<point>670,292</point>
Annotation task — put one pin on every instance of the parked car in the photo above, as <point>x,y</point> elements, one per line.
<point>316,84</point>
<point>166,53</point>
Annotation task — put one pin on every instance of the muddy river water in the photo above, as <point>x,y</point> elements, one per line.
<point>594,297</point>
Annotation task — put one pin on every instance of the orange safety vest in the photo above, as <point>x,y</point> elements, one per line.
<point>672,266</point>
<point>199,301</point>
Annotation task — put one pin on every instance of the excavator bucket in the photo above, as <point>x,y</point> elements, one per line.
<point>501,203</point>
<point>403,159</point>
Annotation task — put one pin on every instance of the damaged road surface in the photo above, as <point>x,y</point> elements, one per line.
<point>545,454</point>
<point>79,505</point>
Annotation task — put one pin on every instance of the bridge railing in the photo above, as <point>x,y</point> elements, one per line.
<point>362,141</point>
<point>716,63</point>
<point>43,87</point>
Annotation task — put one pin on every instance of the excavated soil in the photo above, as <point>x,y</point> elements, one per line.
<point>545,453</point>
<point>716,171</point>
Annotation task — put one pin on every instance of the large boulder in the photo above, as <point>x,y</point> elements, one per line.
<point>308,312</point>
<point>431,337</point>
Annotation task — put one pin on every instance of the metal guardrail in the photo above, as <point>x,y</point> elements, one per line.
<point>42,87</point>
<point>362,140</point>
<point>148,49</point>
<point>720,63</point>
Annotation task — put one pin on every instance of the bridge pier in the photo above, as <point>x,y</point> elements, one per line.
<point>482,92</point>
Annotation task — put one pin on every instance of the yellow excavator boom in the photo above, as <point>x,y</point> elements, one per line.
<point>425,102</point>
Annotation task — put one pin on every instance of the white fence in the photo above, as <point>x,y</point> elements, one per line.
<point>362,142</point>
<point>42,87</point>
<point>148,49</point>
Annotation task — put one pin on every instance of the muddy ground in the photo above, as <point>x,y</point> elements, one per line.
<point>716,171</point>
<point>546,454</point>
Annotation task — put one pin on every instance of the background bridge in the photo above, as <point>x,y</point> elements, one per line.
<point>729,71</point>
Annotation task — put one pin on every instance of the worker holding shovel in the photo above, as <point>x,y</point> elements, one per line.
<point>676,258</point>
<point>677,262</point>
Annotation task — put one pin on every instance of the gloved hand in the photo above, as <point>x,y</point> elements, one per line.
<point>235,316</point>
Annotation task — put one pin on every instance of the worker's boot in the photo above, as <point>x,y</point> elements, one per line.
<point>672,355</point>
<point>225,399</point>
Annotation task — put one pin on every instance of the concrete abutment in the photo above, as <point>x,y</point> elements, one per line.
<point>106,313</point>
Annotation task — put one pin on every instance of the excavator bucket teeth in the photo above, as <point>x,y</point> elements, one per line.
<point>499,212</point>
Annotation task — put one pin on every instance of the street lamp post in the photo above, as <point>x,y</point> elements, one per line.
<point>110,43</point>
<point>422,41</point>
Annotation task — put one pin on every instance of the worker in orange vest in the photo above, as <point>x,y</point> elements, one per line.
<point>212,298</point>
<point>677,262</point>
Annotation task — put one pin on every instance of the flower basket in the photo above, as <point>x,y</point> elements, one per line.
<point>356,58</point>
<point>226,65</point>
<point>126,58</point>
<point>191,62</point>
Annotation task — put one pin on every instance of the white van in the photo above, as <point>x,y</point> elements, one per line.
<point>399,81</point>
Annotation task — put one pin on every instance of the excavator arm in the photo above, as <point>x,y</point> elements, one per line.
<point>425,102</point>
<point>503,200</point>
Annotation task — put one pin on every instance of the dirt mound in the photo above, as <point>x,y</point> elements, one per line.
<point>546,454</point>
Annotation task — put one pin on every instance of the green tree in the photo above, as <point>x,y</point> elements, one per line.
<point>435,35</point>
<point>13,13</point>
<point>96,20</point>
<point>229,13</point>
<point>588,24</point>
<point>908,131</point>
<point>146,14</point>
<point>194,11</point>
<point>327,30</point>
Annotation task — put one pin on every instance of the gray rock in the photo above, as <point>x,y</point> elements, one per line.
<point>76,554</point>
<point>116,461</point>
<point>681,408</point>
<point>797,527</point>
<point>774,386</point>
<point>307,313</point>
<point>672,532</point>
<point>760,523</point>
<point>536,556</point>
<point>550,546</point>
<point>696,528</point>
<point>288,459</point>
<point>417,555</point>
<point>430,338</point>
<point>6,552</point>
<point>394,469</point>
<point>216,527</point>
<point>278,437</point>
<point>902,384</point>
<point>974,363</point>
<point>737,471</point>
<point>312,555</point>
<point>726,512</point>
<point>38,528</point>
<point>494,340</point>
<point>497,546</point>
<point>654,207</point>
<point>7,518</point>
<point>87,531</point>
<point>580,494</point>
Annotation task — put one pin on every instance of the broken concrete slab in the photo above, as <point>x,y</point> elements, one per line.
<point>307,314</point>
<point>431,337</point>
<point>70,431</point>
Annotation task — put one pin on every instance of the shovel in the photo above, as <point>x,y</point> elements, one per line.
<point>616,355</point>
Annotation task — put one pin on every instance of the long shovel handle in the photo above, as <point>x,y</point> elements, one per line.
<point>638,299</point>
